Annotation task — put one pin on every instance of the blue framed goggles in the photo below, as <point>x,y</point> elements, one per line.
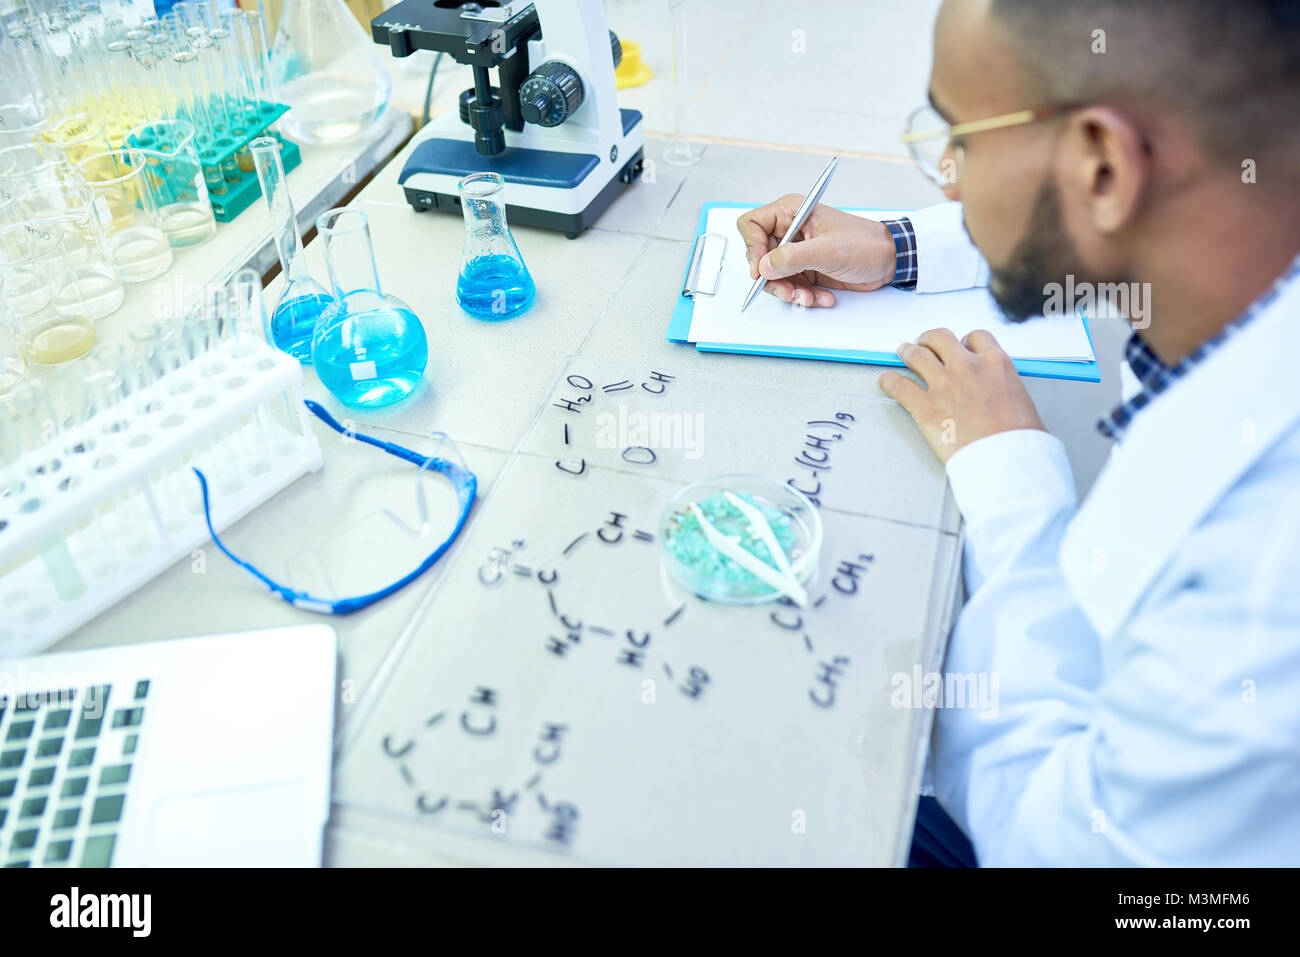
<point>462,479</point>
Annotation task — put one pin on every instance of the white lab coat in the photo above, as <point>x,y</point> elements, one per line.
<point>1146,643</point>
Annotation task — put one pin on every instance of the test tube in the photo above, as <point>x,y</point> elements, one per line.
<point>261,56</point>
<point>145,407</point>
<point>65,395</point>
<point>131,522</point>
<point>202,330</point>
<point>237,24</point>
<point>84,60</point>
<point>187,12</point>
<point>223,118</point>
<point>220,461</point>
<point>192,102</point>
<point>38,433</point>
<point>106,410</point>
<point>232,92</point>
<point>178,378</point>
<point>129,108</point>
<point>242,332</point>
<point>175,29</point>
<point>244,324</point>
<point>37,64</point>
<point>158,77</point>
<point>67,68</point>
<point>204,110</point>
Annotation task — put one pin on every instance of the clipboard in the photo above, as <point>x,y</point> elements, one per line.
<point>698,281</point>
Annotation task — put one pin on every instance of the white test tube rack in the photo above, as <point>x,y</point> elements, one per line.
<point>113,527</point>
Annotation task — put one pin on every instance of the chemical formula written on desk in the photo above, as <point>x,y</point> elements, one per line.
<point>564,693</point>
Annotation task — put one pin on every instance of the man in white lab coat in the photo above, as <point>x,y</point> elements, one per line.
<point>1147,641</point>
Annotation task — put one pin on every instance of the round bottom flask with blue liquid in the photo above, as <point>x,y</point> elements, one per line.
<point>369,348</point>
<point>303,299</point>
<point>494,283</point>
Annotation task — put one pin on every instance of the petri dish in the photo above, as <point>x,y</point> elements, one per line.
<point>700,568</point>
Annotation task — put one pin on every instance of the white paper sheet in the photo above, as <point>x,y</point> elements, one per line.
<point>867,321</point>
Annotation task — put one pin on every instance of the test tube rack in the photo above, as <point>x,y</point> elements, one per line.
<point>228,168</point>
<point>100,533</point>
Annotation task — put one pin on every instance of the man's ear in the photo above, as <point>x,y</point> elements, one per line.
<point>1111,166</point>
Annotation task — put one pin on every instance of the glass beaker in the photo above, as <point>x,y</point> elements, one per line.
<point>66,200</point>
<point>13,365</point>
<point>494,283</point>
<point>175,191</point>
<point>681,152</point>
<point>136,246</point>
<point>20,123</point>
<point>38,282</point>
<point>303,299</point>
<point>29,164</point>
<point>328,71</point>
<point>369,349</point>
<point>12,208</point>
<point>77,135</point>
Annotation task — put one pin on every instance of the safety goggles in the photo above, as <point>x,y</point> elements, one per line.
<point>463,481</point>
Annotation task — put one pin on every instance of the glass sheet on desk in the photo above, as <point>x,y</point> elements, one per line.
<point>561,693</point>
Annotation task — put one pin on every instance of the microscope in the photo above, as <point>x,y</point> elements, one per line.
<point>551,124</point>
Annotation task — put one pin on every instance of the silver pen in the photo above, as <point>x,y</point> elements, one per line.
<point>812,199</point>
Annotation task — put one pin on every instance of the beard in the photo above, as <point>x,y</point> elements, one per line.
<point>1045,255</point>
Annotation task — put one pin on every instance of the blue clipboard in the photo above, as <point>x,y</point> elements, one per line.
<point>679,330</point>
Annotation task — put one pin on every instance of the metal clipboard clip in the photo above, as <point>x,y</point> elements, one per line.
<point>706,265</point>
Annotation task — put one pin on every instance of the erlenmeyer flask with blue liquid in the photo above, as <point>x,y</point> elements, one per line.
<point>303,299</point>
<point>494,283</point>
<point>369,348</point>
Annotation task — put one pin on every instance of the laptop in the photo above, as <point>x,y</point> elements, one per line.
<point>197,752</point>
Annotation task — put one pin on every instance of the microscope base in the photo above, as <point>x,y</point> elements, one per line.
<point>571,224</point>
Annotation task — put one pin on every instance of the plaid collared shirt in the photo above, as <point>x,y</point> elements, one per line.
<point>1153,375</point>
<point>904,252</point>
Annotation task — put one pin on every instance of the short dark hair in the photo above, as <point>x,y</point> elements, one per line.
<point>1229,69</point>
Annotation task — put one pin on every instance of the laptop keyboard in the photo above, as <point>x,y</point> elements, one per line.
<point>65,770</point>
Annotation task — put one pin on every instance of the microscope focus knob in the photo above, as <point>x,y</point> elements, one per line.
<point>551,94</point>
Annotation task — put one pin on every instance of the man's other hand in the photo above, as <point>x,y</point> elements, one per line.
<point>972,390</point>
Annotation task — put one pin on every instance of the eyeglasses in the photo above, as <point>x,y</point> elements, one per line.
<point>929,137</point>
<point>462,479</point>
